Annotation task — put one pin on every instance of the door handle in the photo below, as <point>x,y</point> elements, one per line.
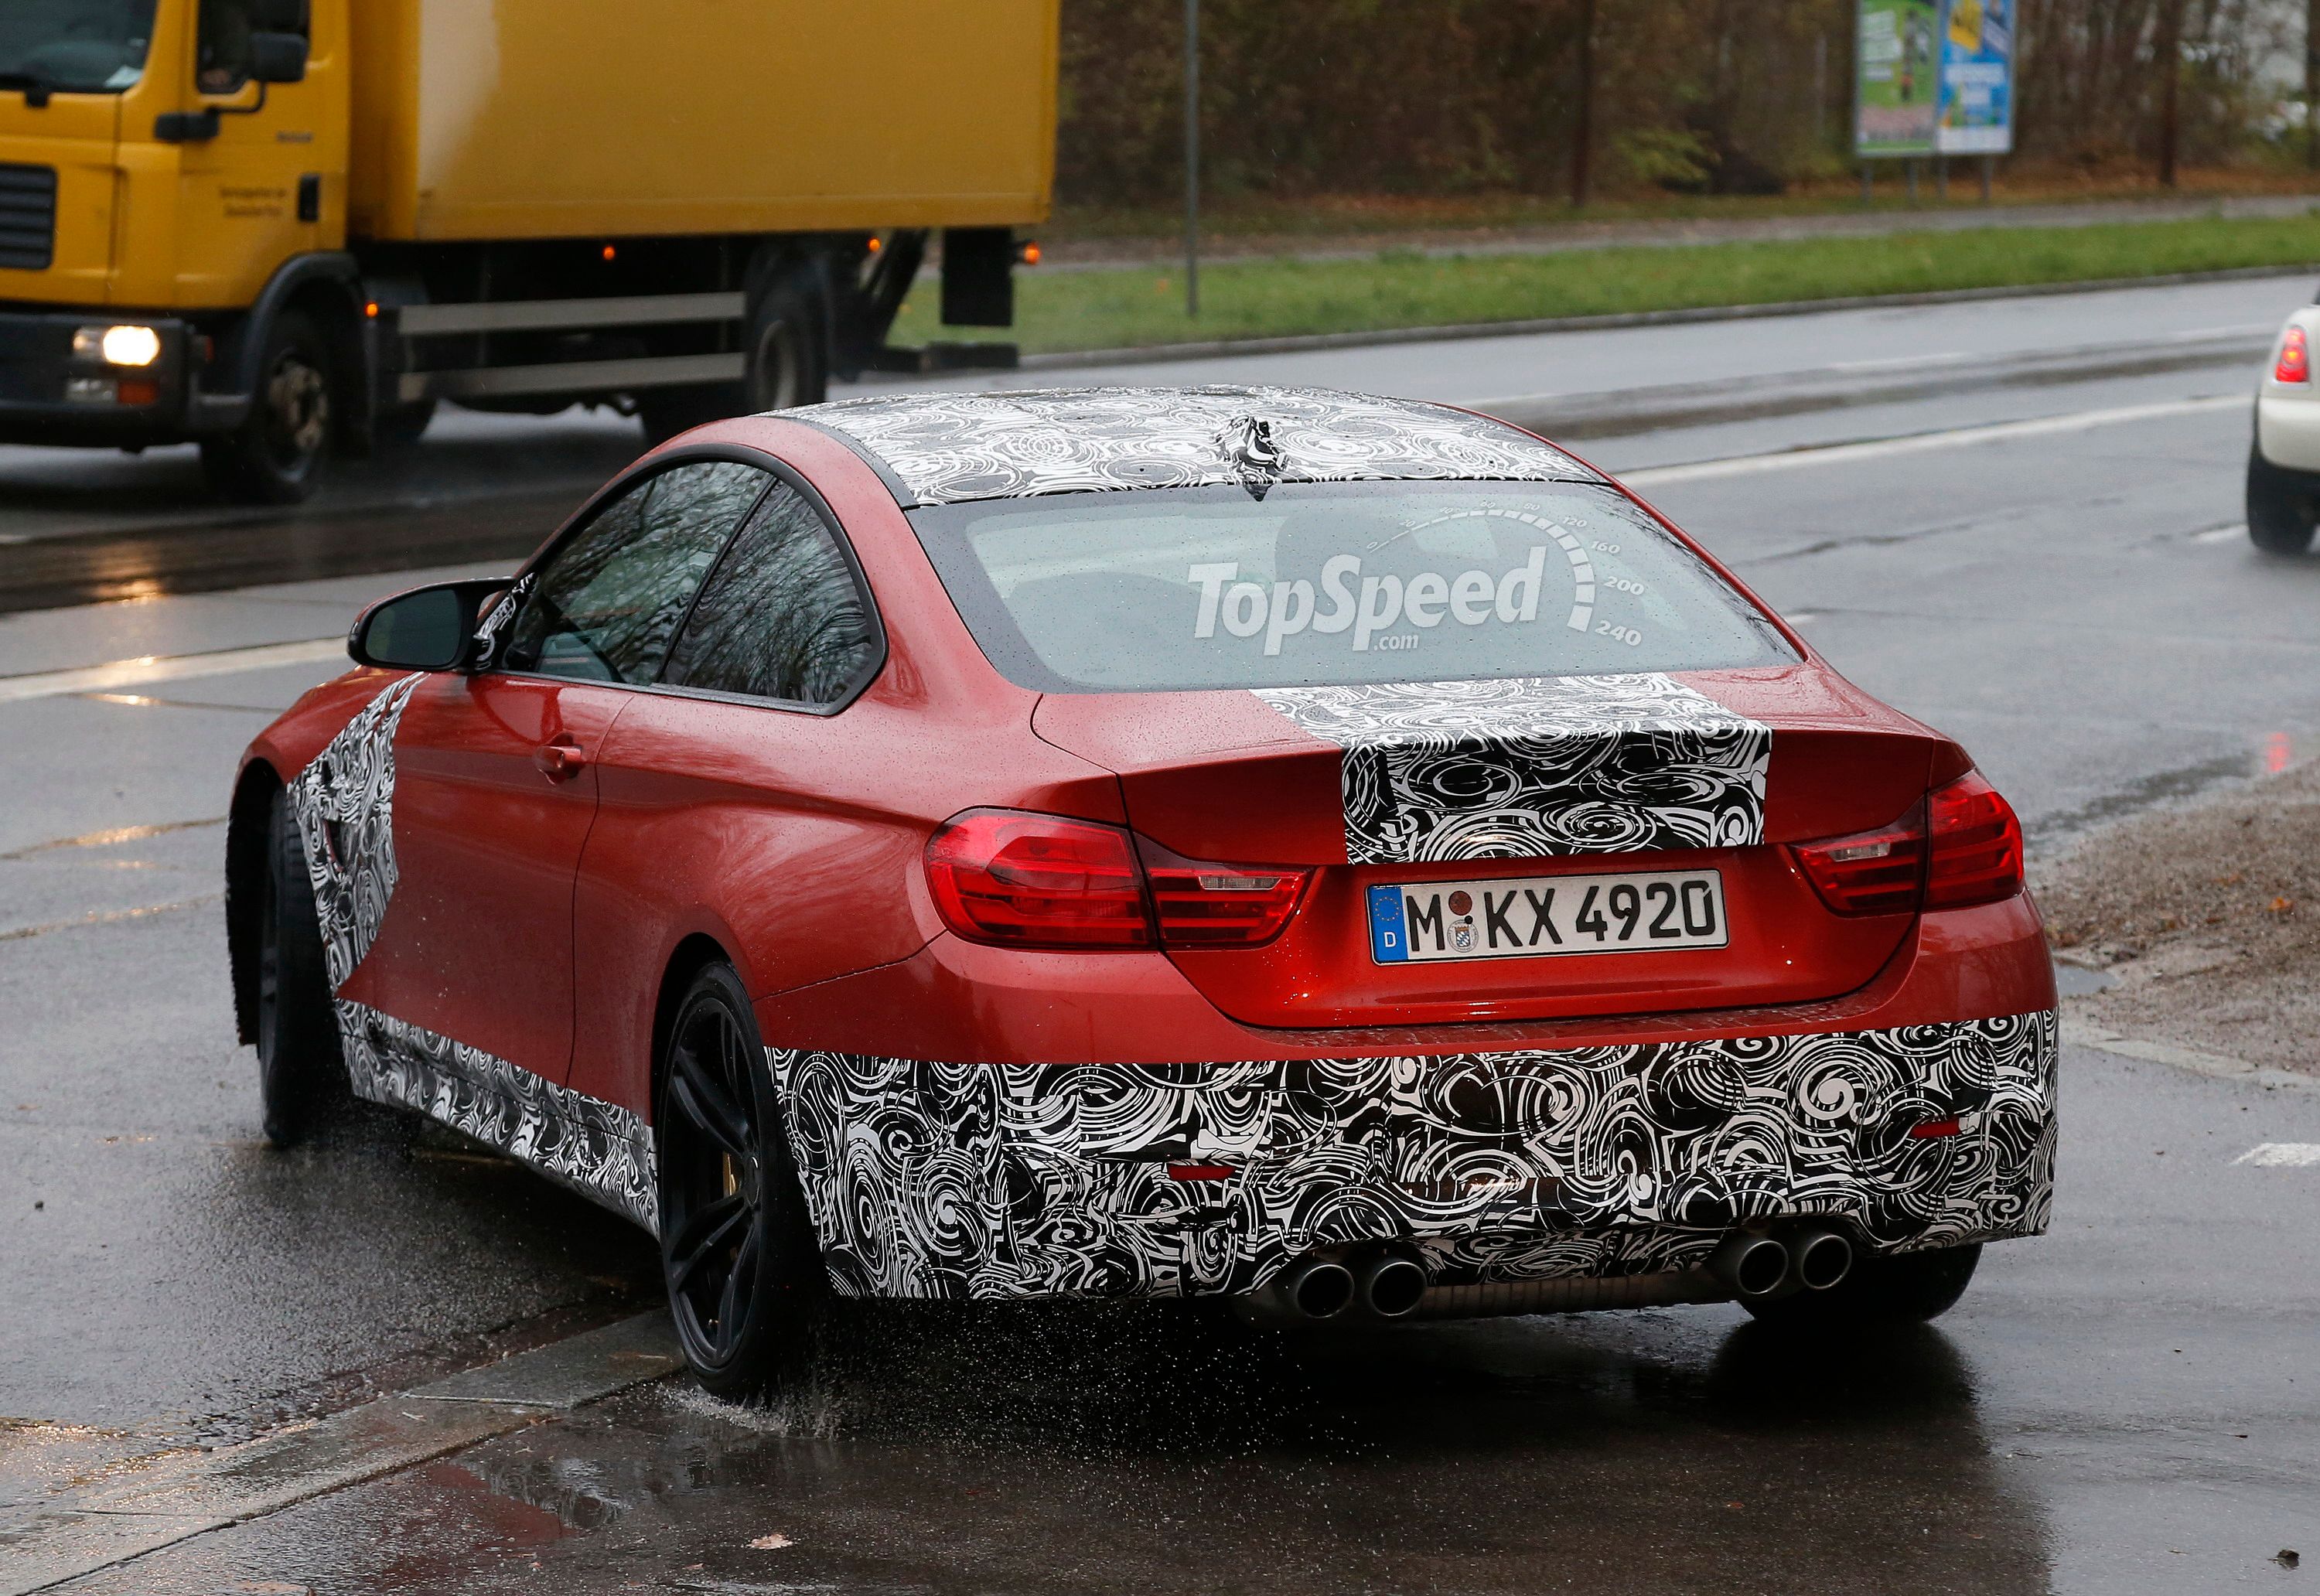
<point>559,760</point>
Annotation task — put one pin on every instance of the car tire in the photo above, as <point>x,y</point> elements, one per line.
<point>1903,1288</point>
<point>300,1070</point>
<point>743,1273</point>
<point>277,456</point>
<point>2280,508</point>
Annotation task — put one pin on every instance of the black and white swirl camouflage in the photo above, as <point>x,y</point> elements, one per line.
<point>1537,765</point>
<point>947,1180</point>
<point>343,801</point>
<point>344,804</point>
<point>944,449</point>
<point>599,1149</point>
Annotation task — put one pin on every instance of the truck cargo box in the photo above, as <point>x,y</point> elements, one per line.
<point>514,119</point>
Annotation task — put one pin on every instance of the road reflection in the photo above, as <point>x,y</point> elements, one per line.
<point>1106,1449</point>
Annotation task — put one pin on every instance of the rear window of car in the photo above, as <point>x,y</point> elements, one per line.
<point>1325,583</point>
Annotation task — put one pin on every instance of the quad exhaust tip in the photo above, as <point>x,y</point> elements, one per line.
<point>1318,1288</point>
<point>1756,1266</point>
<point>1391,1285</point>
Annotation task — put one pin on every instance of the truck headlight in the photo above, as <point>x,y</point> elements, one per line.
<point>119,346</point>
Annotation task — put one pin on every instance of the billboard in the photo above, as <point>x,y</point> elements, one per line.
<point>1934,76</point>
<point>1898,105</point>
<point>1977,87</point>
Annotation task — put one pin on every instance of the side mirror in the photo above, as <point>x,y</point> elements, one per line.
<point>277,58</point>
<point>429,628</point>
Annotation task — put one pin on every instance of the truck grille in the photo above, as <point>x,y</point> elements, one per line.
<point>28,217</point>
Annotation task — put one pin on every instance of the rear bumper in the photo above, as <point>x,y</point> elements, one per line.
<point>1500,1156</point>
<point>50,394</point>
<point>2288,426</point>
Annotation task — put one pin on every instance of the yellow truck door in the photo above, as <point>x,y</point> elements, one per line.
<point>271,182</point>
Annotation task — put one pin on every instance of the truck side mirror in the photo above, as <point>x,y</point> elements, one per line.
<point>277,58</point>
<point>430,628</point>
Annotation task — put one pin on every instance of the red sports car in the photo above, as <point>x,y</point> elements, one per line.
<point>1343,854</point>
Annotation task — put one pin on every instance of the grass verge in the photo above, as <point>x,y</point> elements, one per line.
<point>1129,308</point>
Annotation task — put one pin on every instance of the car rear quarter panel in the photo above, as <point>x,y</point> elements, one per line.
<point>792,840</point>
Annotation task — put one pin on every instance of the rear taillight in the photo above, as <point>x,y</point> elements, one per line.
<point>2295,364</point>
<point>1038,881</point>
<point>1962,845</point>
<point>1976,857</point>
<point>1879,872</point>
<point>1020,880</point>
<point>1204,905</point>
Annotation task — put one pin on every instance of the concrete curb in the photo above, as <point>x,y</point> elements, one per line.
<point>155,1503</point>
<point>1155,353</point>
<point>2219,1066</point>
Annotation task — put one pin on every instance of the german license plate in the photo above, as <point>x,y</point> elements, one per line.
<point>1528,917</point>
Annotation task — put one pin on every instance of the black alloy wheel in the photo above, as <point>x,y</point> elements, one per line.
<point>744,1275</point>
<point>275,456</point>
<point>1901,1288</point>
<point>301,1069</point>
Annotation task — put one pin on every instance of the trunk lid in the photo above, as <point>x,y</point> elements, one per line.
<point>1544,779</point>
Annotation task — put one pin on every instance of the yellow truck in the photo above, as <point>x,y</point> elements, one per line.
<point>282,227</point>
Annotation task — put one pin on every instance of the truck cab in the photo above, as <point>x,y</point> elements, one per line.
<point>283,227</point>
<point>168,169</point>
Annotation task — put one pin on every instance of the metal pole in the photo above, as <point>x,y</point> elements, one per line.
<point>1191,158</point>
<point>2171,88</point>
<point>2311,83</point>
<point>1988,166</point>
<point>1583,116</point>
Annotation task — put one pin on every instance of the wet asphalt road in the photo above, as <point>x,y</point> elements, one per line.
<point>2078,606</point>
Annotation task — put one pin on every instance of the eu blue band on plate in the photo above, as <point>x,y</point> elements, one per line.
<point>1389,941</point>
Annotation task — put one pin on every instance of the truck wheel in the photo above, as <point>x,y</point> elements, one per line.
<point>276,456</point>
<point>789,364</point>
<point>403,426</point>
<point>666,411</point>
<point>2279,506</point>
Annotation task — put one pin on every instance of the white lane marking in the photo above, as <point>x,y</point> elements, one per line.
<point>2281,1154</point>
<point>2230,534</point>
<point>1848,454</point>
<point>167,668</point>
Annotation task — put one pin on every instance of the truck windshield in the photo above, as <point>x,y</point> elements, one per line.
<point>75,46</point>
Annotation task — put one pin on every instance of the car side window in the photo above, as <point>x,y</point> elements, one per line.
<point>608,602</point>
<point>783,615</point>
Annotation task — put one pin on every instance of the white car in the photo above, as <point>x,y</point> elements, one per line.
<point>2283,480</point>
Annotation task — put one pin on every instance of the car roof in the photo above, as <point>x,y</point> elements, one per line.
<point>948,448</point>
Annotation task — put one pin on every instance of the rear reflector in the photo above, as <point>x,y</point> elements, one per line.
<point>2295,358</point>
<point>1038,881</point>
<point>1962,845</point>
<point>1934,1128</point>
<point>1200,1171</point>
<point>1017,880</point>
